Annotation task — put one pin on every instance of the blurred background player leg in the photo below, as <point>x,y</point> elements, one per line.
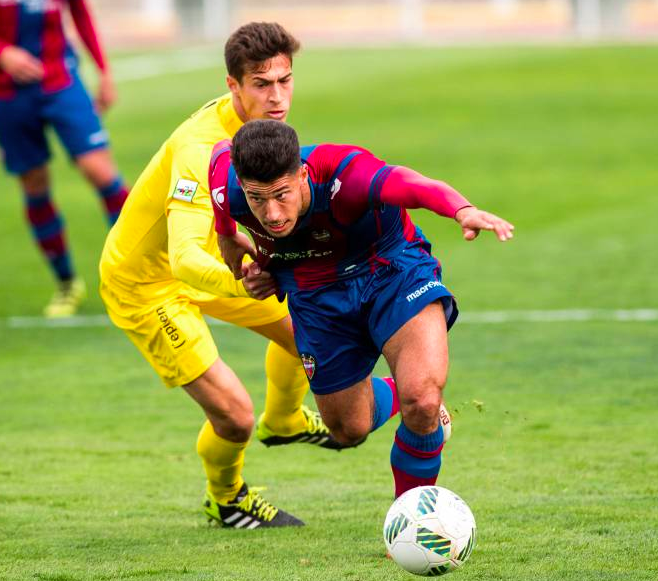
<point>22,136</point>
<point>78,126</point>
<point>47,226</point>
<point>99,169</point>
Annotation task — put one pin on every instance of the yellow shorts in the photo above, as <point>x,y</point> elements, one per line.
<point>168,326</point>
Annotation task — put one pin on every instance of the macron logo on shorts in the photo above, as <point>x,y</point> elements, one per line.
<point>423,289</point>
<point>98,138</point>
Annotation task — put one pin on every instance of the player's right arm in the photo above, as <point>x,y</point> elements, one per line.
<point>87,31</point>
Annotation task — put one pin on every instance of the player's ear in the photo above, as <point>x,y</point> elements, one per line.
<point>233,85</point>
<point>303,173</point>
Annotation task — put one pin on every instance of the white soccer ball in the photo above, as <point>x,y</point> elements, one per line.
<point>429,531</point>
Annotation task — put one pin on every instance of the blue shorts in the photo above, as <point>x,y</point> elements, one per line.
<point>25,117</point>
<point>340,329</point>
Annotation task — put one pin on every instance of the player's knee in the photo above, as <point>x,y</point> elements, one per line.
<point>97,167</point>
<point>237,427</point>
<point>350,434</point>
<point>234,417</point>
<point>421,410</point>
<point>36,181</point>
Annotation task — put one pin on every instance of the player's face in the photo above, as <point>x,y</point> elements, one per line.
<point>264,93</point>
<point>278,204</point>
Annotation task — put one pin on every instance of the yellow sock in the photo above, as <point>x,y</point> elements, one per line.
<point>286,387</point>
<point>223,461</point>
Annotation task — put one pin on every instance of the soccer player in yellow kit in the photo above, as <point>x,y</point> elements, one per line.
<point>161,271</point>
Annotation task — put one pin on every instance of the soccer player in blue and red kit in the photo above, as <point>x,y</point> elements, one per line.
<point>330,230</point>
<point>40,87</point>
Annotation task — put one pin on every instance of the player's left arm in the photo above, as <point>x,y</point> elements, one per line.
<point>410,189</point>
<point>85,26</point>
<point>188,230</point>
<point>190,223</point>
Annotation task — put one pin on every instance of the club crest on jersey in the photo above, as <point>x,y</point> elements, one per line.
<point>335,188</point>
<point>308,361</point>
<point>185,190</point>
<point>218,195</point>
<point>321,235</point>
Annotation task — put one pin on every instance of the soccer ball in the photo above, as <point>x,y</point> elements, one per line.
<point>429,531</point>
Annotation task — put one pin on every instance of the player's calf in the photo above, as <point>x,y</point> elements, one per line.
<point>351,414</point>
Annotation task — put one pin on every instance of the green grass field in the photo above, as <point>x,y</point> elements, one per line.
<point>99,478</point>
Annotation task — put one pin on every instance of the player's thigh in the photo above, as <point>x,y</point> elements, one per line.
<point>333,344</point>
<point>22,133</point>
<point>76,122</point>
<point>269,318</point>
<point>281,332</point>
<point>241,311</point>
<point>417,355</point>
<point>172,336</point>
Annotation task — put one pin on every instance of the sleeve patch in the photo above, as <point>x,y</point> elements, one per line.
<point>185,190</point>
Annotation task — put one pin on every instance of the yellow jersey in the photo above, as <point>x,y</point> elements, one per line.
<point>165,234</point>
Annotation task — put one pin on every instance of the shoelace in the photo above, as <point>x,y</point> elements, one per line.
<point>254,503</point>
<point>315,423</point>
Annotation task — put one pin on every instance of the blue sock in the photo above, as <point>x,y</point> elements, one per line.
<point>386,401</point>
<point>415,458</point>
<point>113,195</point>
<point>48,230</point>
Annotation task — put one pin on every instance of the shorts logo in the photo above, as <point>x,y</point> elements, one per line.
<point>185,190</point>
<point>308,361</point>
<point>98,138</point>
<point>175,336</point>
<point>423,289</point>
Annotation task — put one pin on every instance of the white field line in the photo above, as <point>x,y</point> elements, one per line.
<point>153,65</point>
<point>477,318</point>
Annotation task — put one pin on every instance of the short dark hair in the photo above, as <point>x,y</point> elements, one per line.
<point>253,44</point>
<point>265,150</point>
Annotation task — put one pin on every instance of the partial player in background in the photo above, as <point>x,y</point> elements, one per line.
<point>40,88</point>
<point>161,272</point>
<point>331,231</point>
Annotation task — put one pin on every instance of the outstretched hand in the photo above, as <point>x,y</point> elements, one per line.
<point>473,220</point>
<point>233,249</point>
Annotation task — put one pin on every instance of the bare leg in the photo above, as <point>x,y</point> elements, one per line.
<point>99,169</point>
<point>418,357</point>
<point>224,437</point>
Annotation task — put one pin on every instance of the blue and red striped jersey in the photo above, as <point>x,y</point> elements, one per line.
<point>36,26</point>
<point>346,231</point>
